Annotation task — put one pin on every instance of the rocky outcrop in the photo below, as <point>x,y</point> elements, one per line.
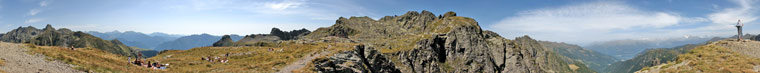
<point>225,41</point>
<point>48,36</point>
<point>259,38</point>
<point>450,14</point>
<point>446,44</point>
<point>275,35</point>
<point>363,59</point>
<point>288,35</point>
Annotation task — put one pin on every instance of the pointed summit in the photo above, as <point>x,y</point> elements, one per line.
<point>49,27</point>
<point>225,41</point>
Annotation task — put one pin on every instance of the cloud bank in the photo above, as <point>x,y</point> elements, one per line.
<point>607,20</point>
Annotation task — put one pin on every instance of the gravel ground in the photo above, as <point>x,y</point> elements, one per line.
<point>301,63</point>
<point>746,47</point>
<point>17,60</point>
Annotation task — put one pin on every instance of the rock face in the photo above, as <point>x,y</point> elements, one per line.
<point>423,43</point>
<point>225,41</point>
<point>48,36</point>
<point>362,59</point>
<point>291,35</point>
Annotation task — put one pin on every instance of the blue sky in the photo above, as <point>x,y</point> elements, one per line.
<point>572,21</point>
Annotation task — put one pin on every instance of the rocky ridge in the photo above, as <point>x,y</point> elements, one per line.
<point>422,42</point>
<point>63,37</point>
<point>261,39</point>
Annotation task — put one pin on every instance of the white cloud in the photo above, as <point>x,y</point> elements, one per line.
<point>37,10</point>
<point>34,12</point>
<point>744,11</point>
<point>283,5</point>
<point>600,21</point>
<point>33,20</point>
<point>314,9</point>
<point>44,3</point>
<point>585,21</point>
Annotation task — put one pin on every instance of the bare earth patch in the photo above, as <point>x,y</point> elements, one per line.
<point>17,60</point>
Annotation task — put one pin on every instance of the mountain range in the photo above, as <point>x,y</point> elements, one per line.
<point>197,40</point>
<point>161,41</point>
<point>136,39</point>
<point>629,48</point>
<point>49,36</point>
<point>590,58</point>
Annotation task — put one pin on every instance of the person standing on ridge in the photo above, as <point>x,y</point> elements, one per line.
<point>739,27</point>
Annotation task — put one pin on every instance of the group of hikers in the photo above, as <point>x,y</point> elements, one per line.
<point>215,58</point>
<point>152,65</point>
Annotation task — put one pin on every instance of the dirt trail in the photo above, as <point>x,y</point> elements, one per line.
<point>301,63</point>
<point>17,60</point>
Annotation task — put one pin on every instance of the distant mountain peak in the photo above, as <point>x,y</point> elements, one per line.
<point>49,27</point>
<point>48,36</point>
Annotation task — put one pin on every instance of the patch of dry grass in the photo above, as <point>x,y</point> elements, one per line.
<point>244,58</point>
<point>89,59</point>
<point>714,59</point>
<point>2,62</point>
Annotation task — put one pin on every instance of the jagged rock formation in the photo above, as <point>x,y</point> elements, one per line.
<point>361,59</point>
<point>424,43</point>
<point>225,41</point>
<point>48,36</point>
<point>258,39</point>
<point>291,35</point>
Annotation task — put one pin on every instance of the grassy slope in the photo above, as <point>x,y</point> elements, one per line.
<point>711,59</point>
<point>2,62</point>
<point>648,58</point>
<point>89,59</point>
<point>243,59</point>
